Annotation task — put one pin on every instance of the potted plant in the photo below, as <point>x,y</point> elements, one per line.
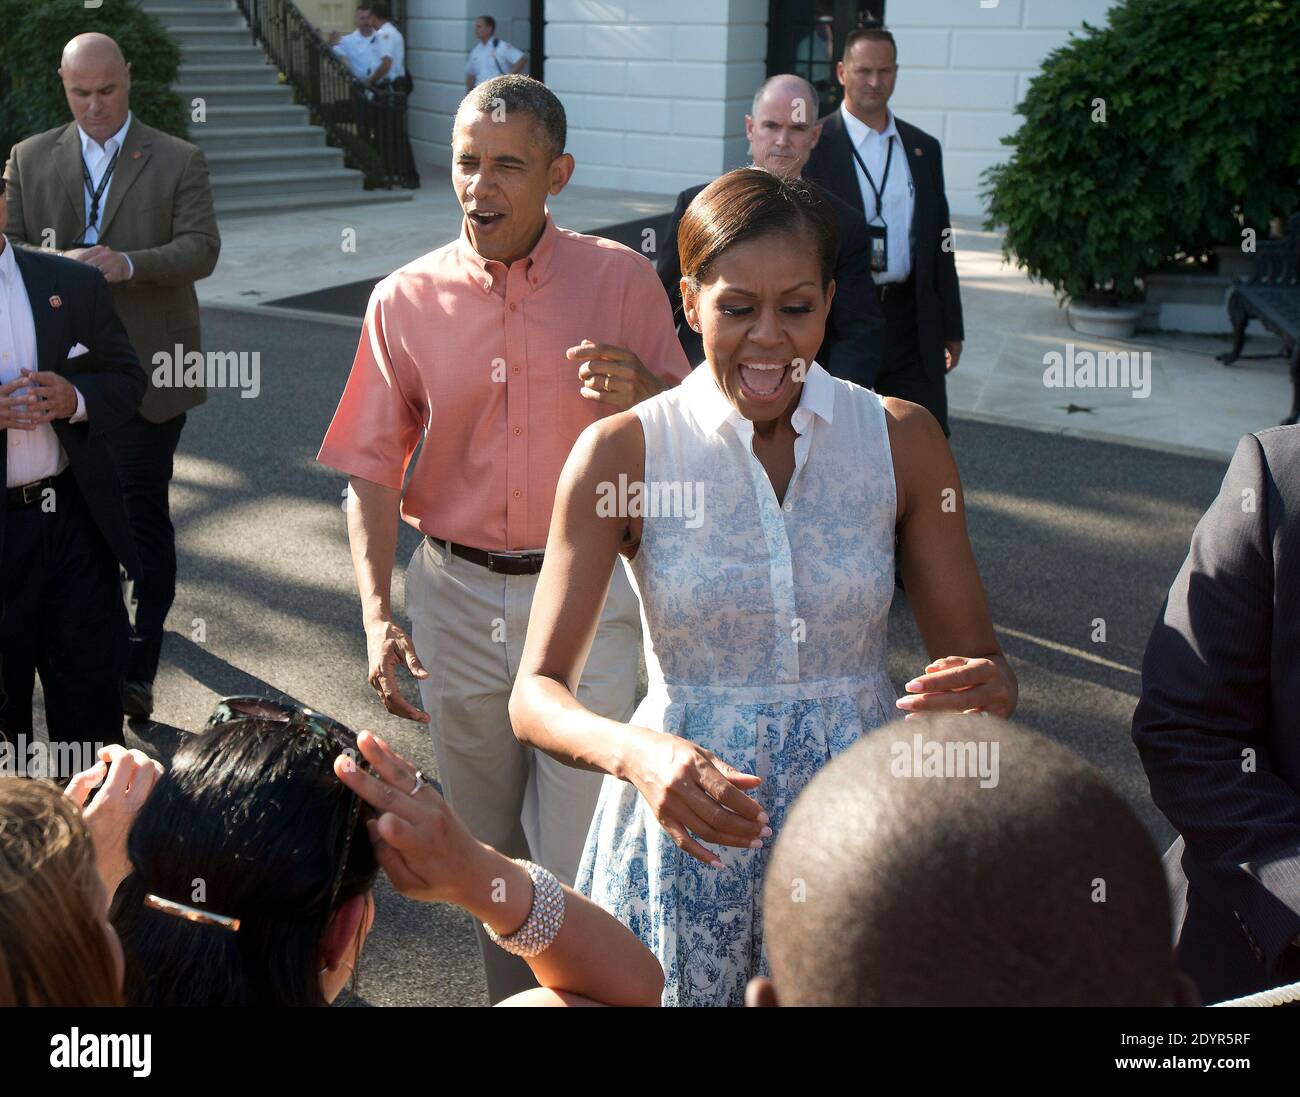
<point>1155,139</point>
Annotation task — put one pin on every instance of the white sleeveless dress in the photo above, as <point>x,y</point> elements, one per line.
<point>765,631</point>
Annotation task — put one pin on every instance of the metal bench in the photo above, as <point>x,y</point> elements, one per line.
<point>1272,296</point>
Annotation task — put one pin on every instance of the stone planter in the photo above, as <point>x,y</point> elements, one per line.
<point>1104,321</point>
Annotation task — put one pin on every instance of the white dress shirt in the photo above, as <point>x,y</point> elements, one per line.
<point>355,50</point>
<point>898,200</point>
<point>387,41</point>
<point>96,158</point>
<point>487,61</point>
<point>32,454</point>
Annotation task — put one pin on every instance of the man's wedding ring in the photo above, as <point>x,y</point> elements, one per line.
<point>607,382</point>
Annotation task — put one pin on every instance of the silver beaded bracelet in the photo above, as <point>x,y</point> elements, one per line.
<point>544,919</point>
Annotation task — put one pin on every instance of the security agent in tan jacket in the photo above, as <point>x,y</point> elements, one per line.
<point>134,202</point>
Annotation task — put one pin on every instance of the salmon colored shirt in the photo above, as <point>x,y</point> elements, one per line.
<point>467,356</point>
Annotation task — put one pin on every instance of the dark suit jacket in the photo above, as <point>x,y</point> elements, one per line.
<point>1218,725</point>
<point>159,213</point>
<point>855,327</point>
<point>70,305</point>
<point>934,268</point>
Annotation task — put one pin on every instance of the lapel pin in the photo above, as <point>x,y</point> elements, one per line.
<point>918,152</point>
<point>56,302</point>
<point>135,155</point>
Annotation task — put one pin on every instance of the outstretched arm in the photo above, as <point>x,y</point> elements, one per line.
<point>969,673</point>
<point>429,854</point>
<point>695,795</point>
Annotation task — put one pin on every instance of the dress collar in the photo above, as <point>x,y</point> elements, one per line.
<point>713,409</point>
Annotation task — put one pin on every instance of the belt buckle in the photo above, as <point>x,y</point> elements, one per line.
<point>35,492</point>
<point>513,557</point>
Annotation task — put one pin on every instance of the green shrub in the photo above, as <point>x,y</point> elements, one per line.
<point>1201,139</point>
<point>31,94</point>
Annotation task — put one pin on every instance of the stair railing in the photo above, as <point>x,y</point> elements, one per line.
<point>368,124</point>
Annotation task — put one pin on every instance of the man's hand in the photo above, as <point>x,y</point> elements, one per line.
<point>613,375</point>
<point>112,263</point>
<point>952,352</point>
<point>335,38</point>
<point>16,408</point>
<point>387,647</point>
<point>52,396</point>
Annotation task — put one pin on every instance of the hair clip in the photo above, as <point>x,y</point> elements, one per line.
<point>191,914</point>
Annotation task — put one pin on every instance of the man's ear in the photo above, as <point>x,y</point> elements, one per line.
<point>760,992</point>
<point>562,169</point>
<point>839,71</point>
<point>341,930</point>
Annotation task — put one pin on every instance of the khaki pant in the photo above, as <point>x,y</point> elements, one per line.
<point>468,626</point>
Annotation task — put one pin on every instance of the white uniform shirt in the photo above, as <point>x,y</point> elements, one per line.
<point>96,158</point>
<point>387,41</point>
<point>898,200</point>
<point>487,61</point>
<point>32,454</point>
<point>355,50</point>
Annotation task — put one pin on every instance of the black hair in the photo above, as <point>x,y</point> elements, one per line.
<point>250,822</point>
<point>491,23</point>
<point>1025,882</point>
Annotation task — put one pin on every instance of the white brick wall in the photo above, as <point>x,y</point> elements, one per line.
<point>656,91</point>
<point>963,69</point>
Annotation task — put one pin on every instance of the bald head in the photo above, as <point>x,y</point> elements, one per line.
<point>782,128</point>
<point>941,871</point>
<point>97,81</point>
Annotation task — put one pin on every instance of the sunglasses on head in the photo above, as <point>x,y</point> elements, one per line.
<point>248,707</point>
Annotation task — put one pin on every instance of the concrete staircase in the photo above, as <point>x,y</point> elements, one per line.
<point>263,154</point>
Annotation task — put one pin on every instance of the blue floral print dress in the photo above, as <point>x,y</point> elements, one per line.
<point>765,627</point>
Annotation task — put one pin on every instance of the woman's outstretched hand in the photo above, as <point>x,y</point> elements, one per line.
<point>430,854</point>
<point>691,789</point>
<point>958,684</point>
<point>128,777</point>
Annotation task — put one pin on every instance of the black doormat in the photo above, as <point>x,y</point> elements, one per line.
<point>351,298</point>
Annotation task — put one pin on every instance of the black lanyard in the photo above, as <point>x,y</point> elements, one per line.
<point>96,193</point>
<point>889,159</point>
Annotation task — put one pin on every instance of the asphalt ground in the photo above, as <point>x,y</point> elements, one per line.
<point>1066,530</point>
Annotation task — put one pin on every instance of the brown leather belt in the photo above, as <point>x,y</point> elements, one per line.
<point>503,563</point>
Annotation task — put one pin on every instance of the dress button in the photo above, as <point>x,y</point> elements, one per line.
<point>515,369</point>
<point>518,493</point>
<point>519,430</point>
<point>513,307</point>
<point>789,506</point>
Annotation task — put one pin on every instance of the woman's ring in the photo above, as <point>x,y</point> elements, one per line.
<point>607,382</point>
<point>420,782</point>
